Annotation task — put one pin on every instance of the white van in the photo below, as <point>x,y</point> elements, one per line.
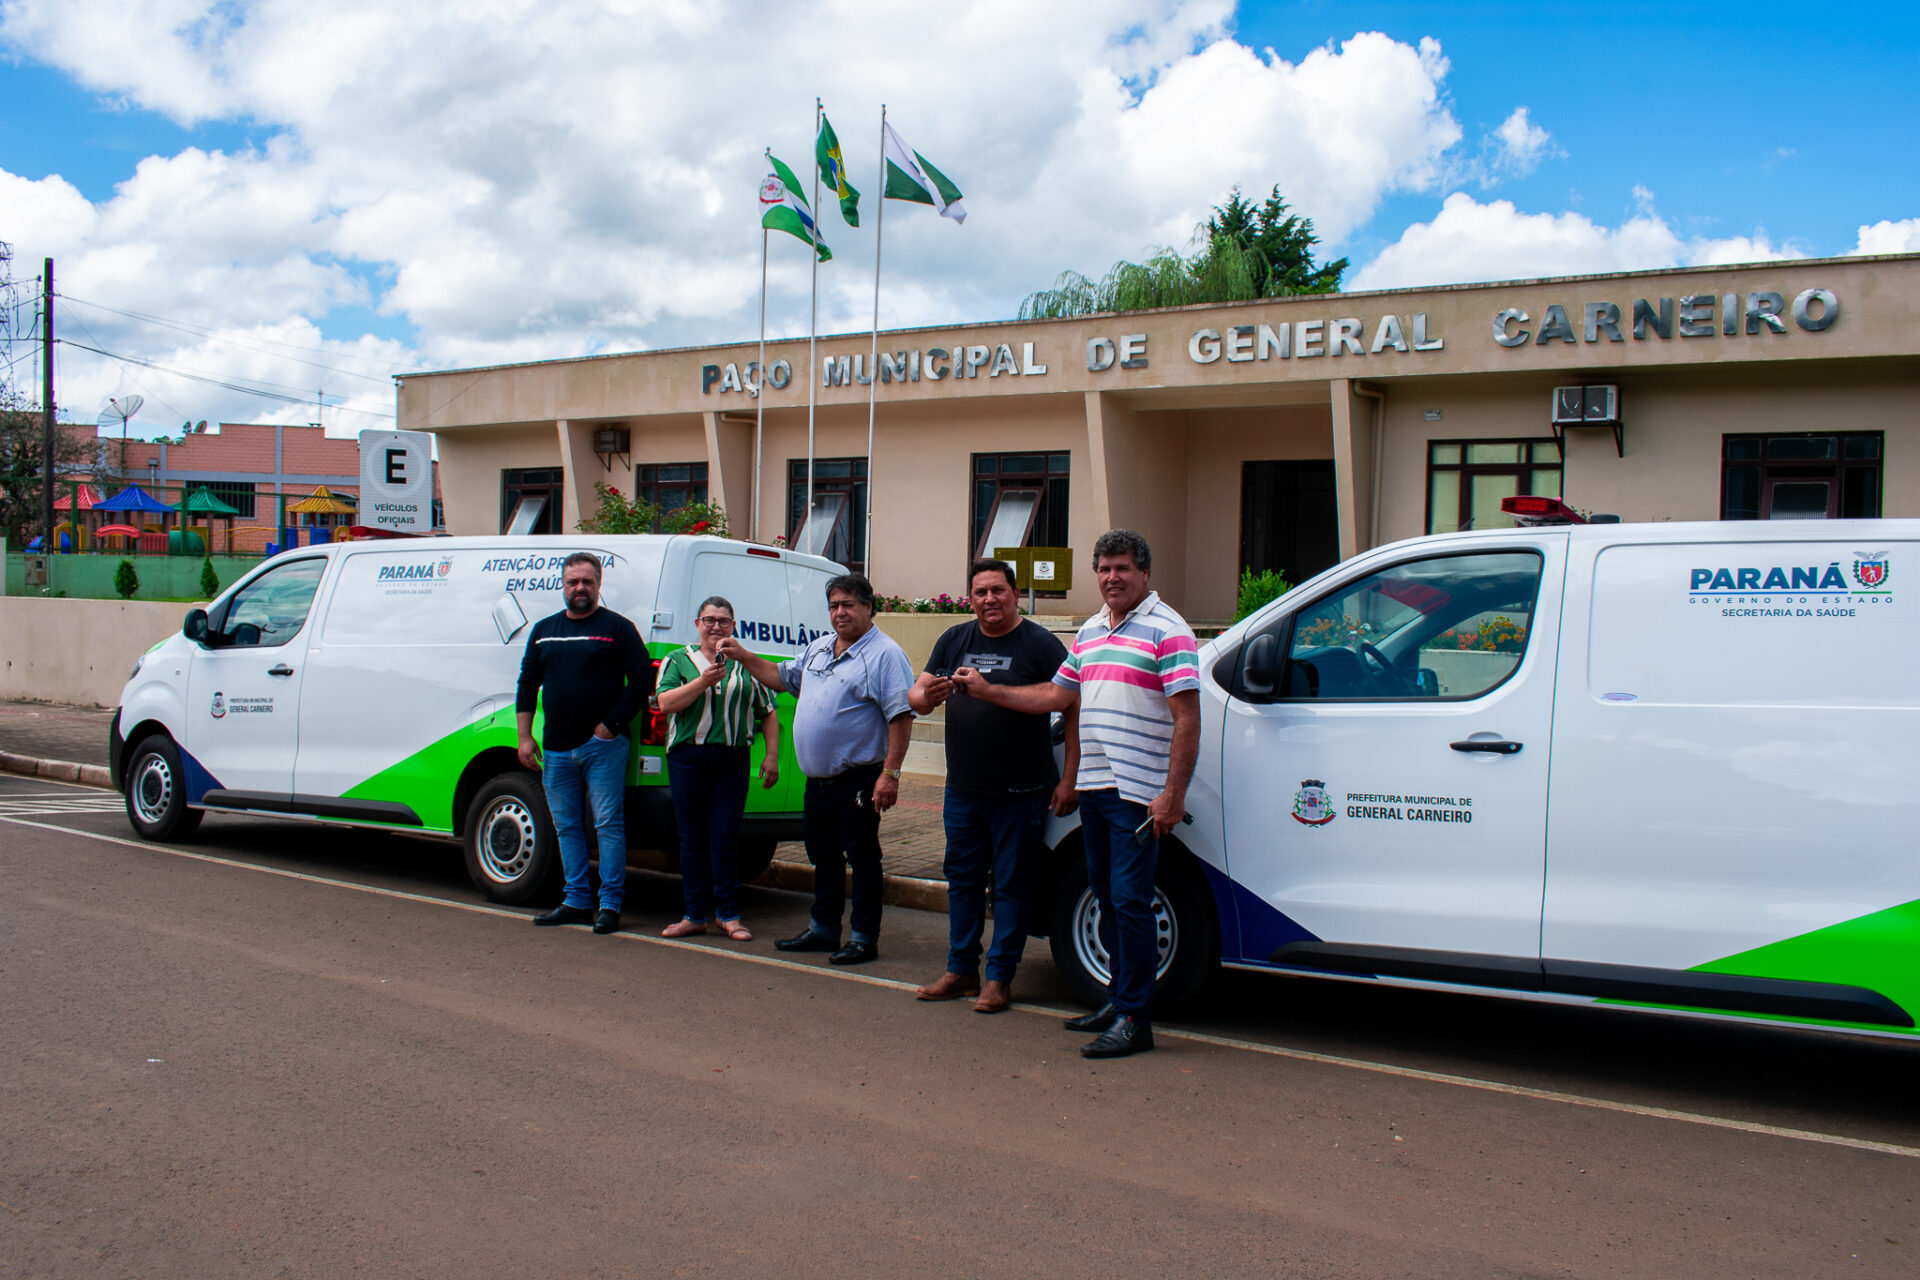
<point>372,683</point>
<point>1657,765</point>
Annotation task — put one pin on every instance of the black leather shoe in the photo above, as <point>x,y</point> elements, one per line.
<point>1099,1020</point>
<point>855,953</point>
<point>564,914</point>
<point>1125,1036</point>
<point>807,940</point>
<point>606,921</point>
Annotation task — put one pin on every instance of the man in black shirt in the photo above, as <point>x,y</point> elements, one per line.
<point>1001,781</point>
<point>594,672</point>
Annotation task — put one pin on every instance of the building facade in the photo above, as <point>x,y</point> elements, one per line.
<point>1283,434</point>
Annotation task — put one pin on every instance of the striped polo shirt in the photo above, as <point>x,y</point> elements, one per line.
<point>1124,676</point>
<point>725,715</point>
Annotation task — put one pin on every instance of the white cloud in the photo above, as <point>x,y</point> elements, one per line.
<point>1471,241</point>
<point>526,178</point>
<point>1890,237</point>
<point>1519,145</point>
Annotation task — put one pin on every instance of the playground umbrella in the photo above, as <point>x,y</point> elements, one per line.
<point>200,501</point>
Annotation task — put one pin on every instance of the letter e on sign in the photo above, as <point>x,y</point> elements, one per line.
<point>396,481</point>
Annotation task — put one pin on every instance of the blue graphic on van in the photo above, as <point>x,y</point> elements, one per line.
<point>411,572</point>
<point>1777,578</point>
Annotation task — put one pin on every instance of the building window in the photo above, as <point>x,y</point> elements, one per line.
<point>1466,479</point>
<point>1019,500</point>
<point>439,514</point>
<point>671,486</point>
<point>838,527</point>
<point>530,500</point>
<point>238,494</point>
<point>1801,477</point>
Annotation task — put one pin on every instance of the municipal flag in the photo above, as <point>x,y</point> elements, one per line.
<point>785,209</point>
<point>911,177</point>
<point>833,172</point>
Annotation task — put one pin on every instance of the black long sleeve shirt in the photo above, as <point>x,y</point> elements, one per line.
<point>595,670</point>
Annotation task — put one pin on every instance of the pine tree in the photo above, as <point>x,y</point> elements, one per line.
<point>209,580</point>
<point>126,580</point>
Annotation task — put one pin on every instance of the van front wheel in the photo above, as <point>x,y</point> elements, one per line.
<point>512,853</point>
<point>1186,933</point>
<point>157,793</point>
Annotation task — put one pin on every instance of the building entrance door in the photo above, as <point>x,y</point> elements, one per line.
<point>1288,520</point>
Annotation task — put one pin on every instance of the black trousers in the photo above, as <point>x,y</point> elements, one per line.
<point>842,829</point>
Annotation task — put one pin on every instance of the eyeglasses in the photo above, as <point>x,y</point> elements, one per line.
<point>715,621</point>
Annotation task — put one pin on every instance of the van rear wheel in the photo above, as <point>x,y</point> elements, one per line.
<point>156,791</point>
<point>512,853</point>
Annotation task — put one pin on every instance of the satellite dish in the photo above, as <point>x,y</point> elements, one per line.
<point>119,409</point>
<point>200,426</point>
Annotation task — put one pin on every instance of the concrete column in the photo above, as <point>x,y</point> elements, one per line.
<point>1096,489</point>
<point>730,470</point>
<point>1352,466</point>
<point>1140,482</point>
<point>570,478</point>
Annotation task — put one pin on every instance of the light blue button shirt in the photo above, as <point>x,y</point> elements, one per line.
<point>846,701</point>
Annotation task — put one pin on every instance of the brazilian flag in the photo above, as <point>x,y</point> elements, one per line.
<point>833,172</point>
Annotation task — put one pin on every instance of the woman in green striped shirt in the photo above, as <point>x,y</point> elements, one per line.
<point>715,705</point>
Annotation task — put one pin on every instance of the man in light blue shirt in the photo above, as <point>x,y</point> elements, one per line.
<point>850,735</point>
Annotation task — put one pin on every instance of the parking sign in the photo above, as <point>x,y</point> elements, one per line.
<point>396,481</point>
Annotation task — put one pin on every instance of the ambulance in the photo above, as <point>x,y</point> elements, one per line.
<point>1662,766</point>
<point>371,684</point>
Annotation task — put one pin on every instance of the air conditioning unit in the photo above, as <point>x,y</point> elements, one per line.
<point>1593,406</point>
<point>611,440</point>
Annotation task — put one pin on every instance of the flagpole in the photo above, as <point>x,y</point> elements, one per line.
<point>760,394</point>
<point>813,333</point>
<point>873,351</point>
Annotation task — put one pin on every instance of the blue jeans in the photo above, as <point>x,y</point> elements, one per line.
<point>709,785</point>
<point>595,771</point>
<point>843,828</point>
<point>998,834</point>
<point>1120,870</point>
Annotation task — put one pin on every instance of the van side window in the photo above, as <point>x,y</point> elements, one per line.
<point>272,608</point>
<point>1447,627</point>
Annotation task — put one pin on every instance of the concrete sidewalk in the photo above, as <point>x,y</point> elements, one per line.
<point>70,743</point>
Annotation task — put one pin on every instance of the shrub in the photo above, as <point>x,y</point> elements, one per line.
<point>616,514</point>
<point>209,580</point>
<point>125,580</point>
<point>1258,588</point>
<point>942,603</point>
<point>696,517</point>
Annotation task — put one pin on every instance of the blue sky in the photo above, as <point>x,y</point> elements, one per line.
<point>371,190</point>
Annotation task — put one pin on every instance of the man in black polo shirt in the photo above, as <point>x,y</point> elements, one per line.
<point>1001,781</point>
<point>588,669</point>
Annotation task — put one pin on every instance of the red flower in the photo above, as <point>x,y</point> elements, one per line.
<point>699,528</point>
<point>615,492</point>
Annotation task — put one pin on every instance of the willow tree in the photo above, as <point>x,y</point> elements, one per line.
<point>1241,253</point>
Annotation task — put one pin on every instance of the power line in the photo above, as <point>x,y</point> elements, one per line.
<point>200,331</point>
<point>213,381</point>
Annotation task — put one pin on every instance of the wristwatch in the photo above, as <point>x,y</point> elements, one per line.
<point>892,773</point>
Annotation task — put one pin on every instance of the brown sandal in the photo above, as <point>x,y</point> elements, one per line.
<point>683,929</point>
<point>735,930</point>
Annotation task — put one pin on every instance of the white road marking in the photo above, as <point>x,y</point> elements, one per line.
<point>59,803</point>
<point>1198,1037</point>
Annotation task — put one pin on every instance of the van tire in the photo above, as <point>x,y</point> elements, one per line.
<point>1184,914</point>
<point>156,791</point>
<point>512,853</point>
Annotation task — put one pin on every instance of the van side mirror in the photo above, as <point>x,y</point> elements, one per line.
<point>1427,682</point>
<point>195,628</point>
<point>1260,668</point>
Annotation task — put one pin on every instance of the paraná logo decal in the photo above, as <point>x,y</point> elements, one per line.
<point>446,566</point>
<point>1310,804</point>
<point>1870,568</point>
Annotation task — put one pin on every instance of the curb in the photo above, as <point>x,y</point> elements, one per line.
<point>899,891</point>
<point>92,775</point>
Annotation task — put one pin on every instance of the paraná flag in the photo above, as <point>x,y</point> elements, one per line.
<point>911,177</point>
<point>786,209</point>
<point>833,171</point>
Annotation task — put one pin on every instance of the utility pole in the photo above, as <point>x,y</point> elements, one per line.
<point>46,398</point>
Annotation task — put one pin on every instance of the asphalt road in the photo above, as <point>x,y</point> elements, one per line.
<point>294,1051</point>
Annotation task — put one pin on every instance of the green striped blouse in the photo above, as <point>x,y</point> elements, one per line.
<point>725,715</point>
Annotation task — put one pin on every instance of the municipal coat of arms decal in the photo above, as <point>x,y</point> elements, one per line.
<point>1870,568</point>
<point>219,707</point>
<point>1310,803</point>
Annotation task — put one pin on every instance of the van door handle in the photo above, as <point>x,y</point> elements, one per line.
<point>284,670</point>
<point>1499,746</point>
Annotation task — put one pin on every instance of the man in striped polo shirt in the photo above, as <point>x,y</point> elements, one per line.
<point>1135,672</point>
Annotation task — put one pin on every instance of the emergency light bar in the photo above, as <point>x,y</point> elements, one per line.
<point>1538,510</point>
